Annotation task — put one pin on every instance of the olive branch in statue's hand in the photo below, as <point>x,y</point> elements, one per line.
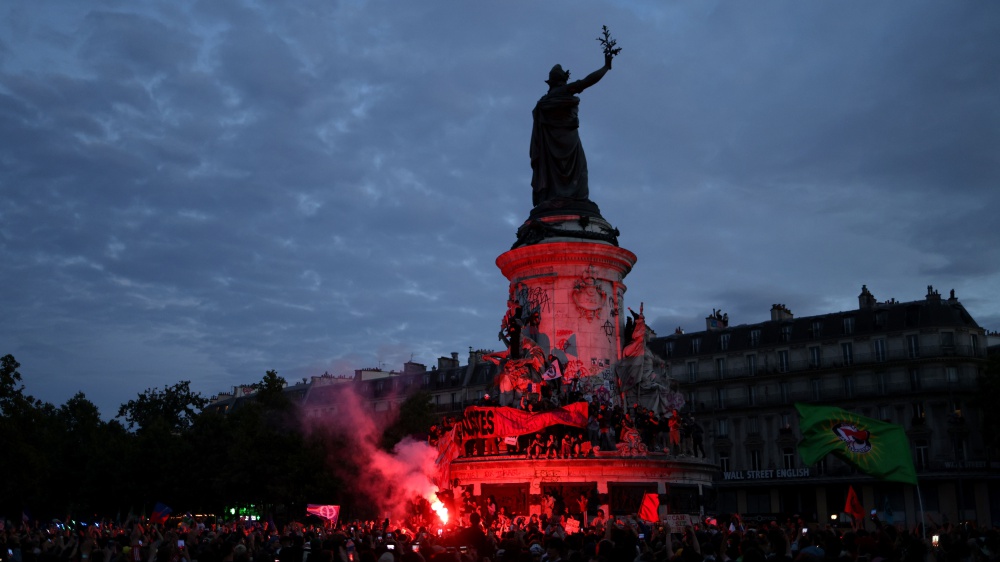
<point>608,43</point>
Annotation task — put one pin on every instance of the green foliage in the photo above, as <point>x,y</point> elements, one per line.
<point>173,408</point>
<point>11,389</point>
<point>163,446</point>
<point>608,43</point>
<point>270,391</point>
<point>57,459</point>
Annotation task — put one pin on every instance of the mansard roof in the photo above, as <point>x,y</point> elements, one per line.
<point>881,318</point>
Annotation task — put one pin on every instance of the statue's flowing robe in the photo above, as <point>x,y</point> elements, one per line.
<point>638,378</point>
<point>558,164</point>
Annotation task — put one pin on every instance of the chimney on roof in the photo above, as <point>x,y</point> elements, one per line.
<point>412,367</point>
<point>933,295</point>
<point>866,299</point>
<point>952,298</point>
<point>448,362</point>
<point>780,312</point>
<point>716,321</point>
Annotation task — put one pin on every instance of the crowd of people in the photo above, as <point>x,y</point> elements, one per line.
<point>672,433</point>
<point>535,538</point>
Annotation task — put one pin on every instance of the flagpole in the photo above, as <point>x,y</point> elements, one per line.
<point>923,519</point>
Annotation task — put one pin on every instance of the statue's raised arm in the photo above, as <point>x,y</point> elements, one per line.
<point>591,79</point>
<point>558,163</point>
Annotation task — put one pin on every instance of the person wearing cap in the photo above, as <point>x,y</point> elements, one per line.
<point>558,163</point>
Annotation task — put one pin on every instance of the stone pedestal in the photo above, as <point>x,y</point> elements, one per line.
<point>518,483</point>
<point>576,288</point>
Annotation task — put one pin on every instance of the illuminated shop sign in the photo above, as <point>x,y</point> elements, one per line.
<point>778,474</point>
<point>961,465</point>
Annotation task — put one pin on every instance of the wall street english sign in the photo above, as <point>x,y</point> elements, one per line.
<point>773,474</point>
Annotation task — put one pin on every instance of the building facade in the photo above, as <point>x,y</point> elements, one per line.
<point>911,363</point>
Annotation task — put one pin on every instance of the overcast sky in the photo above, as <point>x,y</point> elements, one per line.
<point>204,190</point>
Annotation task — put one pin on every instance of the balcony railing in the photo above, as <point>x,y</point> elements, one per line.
<point>734,369</point>
<point>861,390</point>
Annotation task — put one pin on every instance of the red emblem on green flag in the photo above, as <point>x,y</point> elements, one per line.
<point>875,447</point>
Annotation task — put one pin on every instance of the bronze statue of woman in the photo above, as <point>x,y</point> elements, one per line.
<point>558,164</point>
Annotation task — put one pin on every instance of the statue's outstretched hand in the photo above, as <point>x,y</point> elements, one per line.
<point>607,61</point>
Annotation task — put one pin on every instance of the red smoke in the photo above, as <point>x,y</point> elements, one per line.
<point>384,481</point>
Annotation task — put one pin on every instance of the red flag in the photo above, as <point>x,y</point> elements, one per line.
<point>853,507</point>
<point>649,510</point>
<point>449,447</point>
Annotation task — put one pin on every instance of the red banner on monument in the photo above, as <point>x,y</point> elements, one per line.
<point>479,421</point>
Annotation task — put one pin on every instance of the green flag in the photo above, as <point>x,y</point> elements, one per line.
<point>875,447</point>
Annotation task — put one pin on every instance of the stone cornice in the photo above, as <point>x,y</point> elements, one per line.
<point>581,253</point>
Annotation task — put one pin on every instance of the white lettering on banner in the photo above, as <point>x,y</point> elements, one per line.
<point>677,521</point>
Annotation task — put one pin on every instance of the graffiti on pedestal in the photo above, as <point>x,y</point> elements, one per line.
<point>566,343</point>
<point>609,329</point>
<point>613,303</point>
<point>575,370</point>
<point>535,300</point>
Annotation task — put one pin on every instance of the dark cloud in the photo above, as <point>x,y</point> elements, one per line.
<point>211,190</point>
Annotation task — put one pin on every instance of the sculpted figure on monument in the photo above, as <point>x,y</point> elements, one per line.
<point>640,373</point>
<point>558,163</point>
<point>518,374</point>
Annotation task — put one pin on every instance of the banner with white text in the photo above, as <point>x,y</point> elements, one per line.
<point>480,422</point>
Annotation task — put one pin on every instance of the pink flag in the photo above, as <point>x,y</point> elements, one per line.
<point>328,512</point>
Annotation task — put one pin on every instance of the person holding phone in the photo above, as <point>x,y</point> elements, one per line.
<point>808,545</point>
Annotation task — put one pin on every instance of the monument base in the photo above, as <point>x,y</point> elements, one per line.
<point>519,484</point>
